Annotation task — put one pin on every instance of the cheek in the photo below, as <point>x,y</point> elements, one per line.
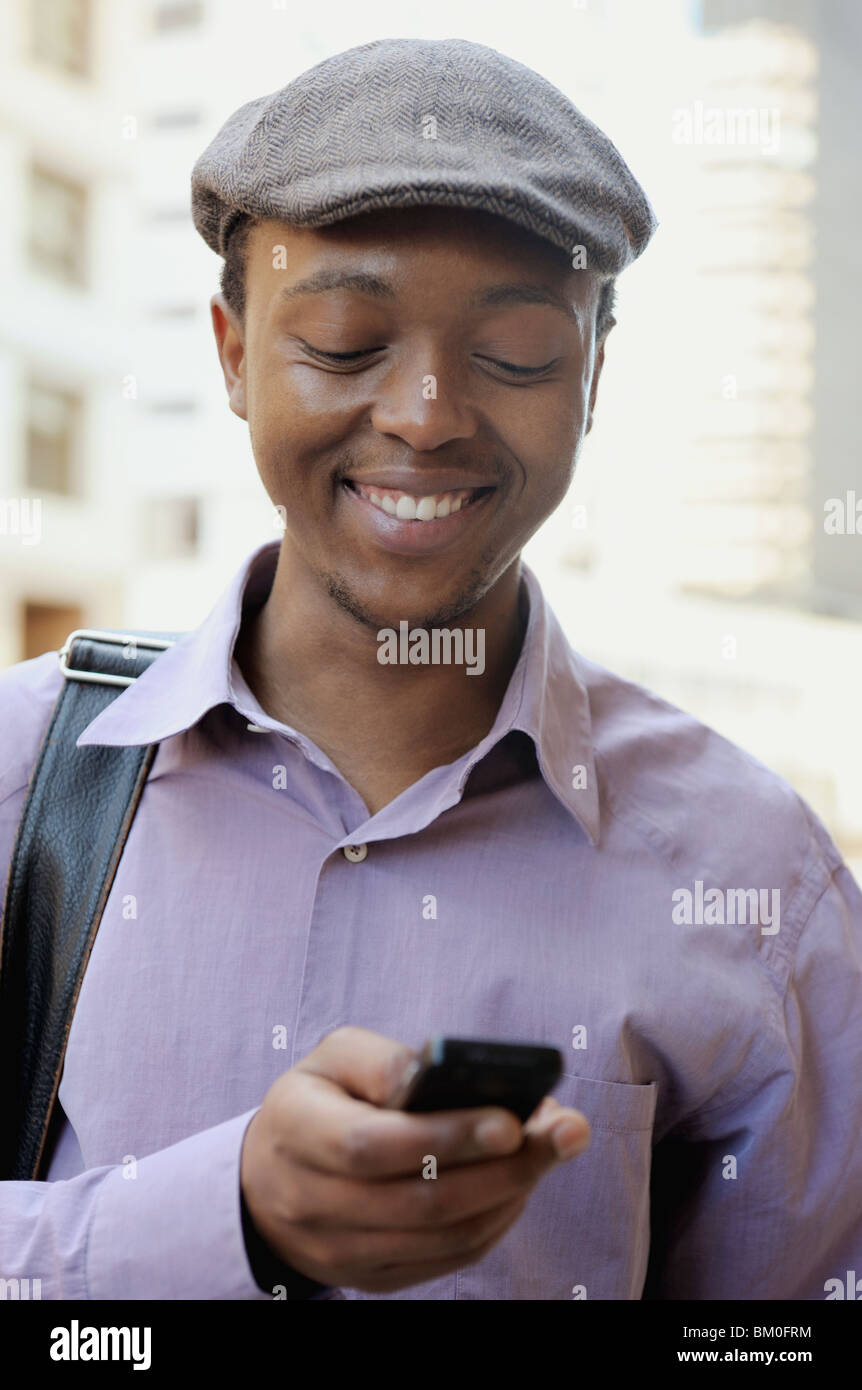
<point>294,412</point>
<point>546,438</point>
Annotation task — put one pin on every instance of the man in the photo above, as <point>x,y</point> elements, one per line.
<point>346,845</point>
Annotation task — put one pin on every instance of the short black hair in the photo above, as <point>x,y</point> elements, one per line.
<point>605,311</point>
<point>233,278</point>
<point>233,270</point>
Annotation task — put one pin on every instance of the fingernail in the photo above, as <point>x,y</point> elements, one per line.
<point>570,1137</point>
<point>494,1134</point>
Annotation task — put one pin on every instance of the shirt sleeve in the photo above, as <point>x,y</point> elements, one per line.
<point>168,1227</point>
<point>761,1198</point>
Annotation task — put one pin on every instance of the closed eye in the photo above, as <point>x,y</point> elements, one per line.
<point>520,371</point>
<point>341,356</point>
<point>347,357</point>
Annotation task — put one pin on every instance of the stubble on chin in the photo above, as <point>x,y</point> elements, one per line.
<point>474,589</point>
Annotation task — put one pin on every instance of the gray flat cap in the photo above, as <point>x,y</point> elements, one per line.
<point>409,122</point>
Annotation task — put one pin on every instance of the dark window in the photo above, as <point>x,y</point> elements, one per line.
<point>53,430</point>
<point>45,627</point>
<point>58,215</point>
<point>61,34</point>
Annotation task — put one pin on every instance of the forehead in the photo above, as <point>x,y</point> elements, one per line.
<point>466,245</point>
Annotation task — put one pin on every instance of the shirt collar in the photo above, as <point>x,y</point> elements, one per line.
<point>546,697</point>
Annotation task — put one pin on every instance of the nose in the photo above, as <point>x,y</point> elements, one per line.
<point>423,401</point>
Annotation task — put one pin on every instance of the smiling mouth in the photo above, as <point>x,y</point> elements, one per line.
<point>404,506</point>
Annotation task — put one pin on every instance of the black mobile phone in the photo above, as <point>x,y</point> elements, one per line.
<point>462,1073</point>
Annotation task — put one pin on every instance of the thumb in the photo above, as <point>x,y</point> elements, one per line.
<point>364,1064</point>
<point>559,1130</point>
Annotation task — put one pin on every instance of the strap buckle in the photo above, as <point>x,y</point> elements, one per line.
<point>117,640</point>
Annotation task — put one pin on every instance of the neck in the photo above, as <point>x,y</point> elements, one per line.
<point>314,666</point>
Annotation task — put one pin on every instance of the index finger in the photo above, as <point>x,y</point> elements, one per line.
<point>330,1131</point>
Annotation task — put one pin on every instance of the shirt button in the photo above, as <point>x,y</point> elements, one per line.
<point>355,853</point>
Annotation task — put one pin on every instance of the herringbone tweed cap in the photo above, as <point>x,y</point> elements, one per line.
<point>405,122</point>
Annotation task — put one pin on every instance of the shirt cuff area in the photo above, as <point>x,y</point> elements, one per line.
<point>174,1229</point>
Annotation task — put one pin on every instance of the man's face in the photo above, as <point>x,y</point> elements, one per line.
<point>429,360</point>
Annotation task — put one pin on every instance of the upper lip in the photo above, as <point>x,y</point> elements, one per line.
<point>420,484</point>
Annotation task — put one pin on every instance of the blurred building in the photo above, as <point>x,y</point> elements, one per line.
<point>792,241</point>
<point>200,504</point>
<point>64,184</point>
<point>127,489</point>
<point>693,556</point>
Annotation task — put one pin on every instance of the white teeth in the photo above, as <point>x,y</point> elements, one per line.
<point>408,508</point>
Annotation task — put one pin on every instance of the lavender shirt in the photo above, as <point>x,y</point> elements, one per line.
<point>570,880</point>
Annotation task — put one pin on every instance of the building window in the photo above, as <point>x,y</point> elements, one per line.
<point>45,627</point>
<point>171,527</point>
<point>61,34</point>
<point>58,212</point>
<point>177,14</point>
<point>53,429</point>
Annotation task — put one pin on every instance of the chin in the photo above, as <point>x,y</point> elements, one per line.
<point>378,603</point>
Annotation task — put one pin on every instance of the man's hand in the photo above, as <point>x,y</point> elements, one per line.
<point>334,1183</point>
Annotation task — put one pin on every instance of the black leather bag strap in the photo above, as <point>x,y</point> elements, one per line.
<point>76,816</point>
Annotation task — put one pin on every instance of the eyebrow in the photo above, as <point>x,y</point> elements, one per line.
<point>491,297</point>
<point>324,280</point>
<point>499,296</point>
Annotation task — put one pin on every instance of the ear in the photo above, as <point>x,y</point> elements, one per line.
<point>597,371</point>
<point>229,336</point>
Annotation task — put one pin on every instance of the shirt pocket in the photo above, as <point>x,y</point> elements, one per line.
<point>585,1231</point>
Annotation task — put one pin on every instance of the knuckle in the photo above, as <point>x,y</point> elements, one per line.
<point>357,1148</point>
<point>392,1069</point>
<point>279,1101</point>
<point>344,1037</point>
<point>287,1200</point>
